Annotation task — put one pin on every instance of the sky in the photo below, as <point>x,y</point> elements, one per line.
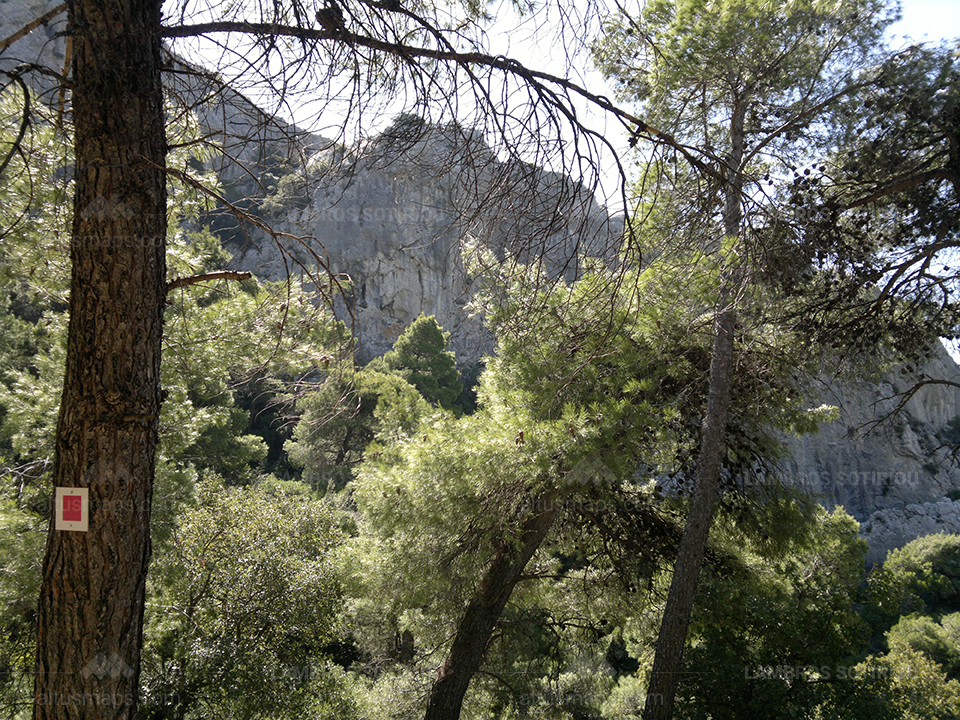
<point>922,21</point>
<point>930,19</point>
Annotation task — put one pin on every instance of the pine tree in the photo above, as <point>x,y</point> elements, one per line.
<point>421,357</point>
<point>748,87</point>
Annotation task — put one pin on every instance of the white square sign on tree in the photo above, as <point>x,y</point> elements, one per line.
<point>72,509</point>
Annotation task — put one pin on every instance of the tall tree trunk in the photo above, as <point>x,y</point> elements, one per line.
<point>484,611</point>
<point>668,656</point>
<point>92,593</point>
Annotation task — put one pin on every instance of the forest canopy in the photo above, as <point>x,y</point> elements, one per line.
<point>588,523</point>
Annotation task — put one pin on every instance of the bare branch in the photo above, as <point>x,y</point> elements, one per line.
<point>205,277</point>
<point>32,25</point>
<point>24,120</point>
<point>905,397</point>
<point>632,123</point>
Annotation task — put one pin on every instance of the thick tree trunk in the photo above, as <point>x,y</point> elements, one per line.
<point>484,611</point>
<point>92,594</point>
<point>668,656</point>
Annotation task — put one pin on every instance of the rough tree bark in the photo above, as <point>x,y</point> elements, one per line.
<point>92,593</point>
<point>484,610</point>
<point>668,656</point>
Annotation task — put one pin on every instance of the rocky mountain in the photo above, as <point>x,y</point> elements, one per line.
<point>399,220</point>
<point>893,471</point>
<point>387,232</point>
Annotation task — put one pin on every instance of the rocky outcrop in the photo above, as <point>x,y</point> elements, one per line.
<point>399,221</point>
<point>887,468</point>
<point>893,528</point>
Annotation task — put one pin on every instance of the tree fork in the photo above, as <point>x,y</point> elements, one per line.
<point>90,610</point>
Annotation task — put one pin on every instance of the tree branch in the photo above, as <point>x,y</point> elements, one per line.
<point>32,25</point>
<point>630,122</point>
<point>905,397</point>
<point>24,121</point>
<point>908,183</point>
<point>219,275</point>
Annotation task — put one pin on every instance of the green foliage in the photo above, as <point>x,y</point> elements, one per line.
<point>899,150</point>
<point>243,603</point>
<point>214,337</point>
<point>217,336</point>
<point>768,631</point>
<point>343,416</point>
<point>349,408</point>
<point>457,481</point>
<point>676,34</point>
<point>291,193</point>
<point>589,397</point>
<point>35,206</point>
<point>595,397</point>
<point>686,60</point>
<point>823,117</point>
<point>434,507</point>
<point>21,548</point>
<point>34,193</point>
<point>420,357</point>
<point>640,342</point>
<point>911,602</point>
<point>926,575</point>
<point>30,394</point>
<point>937,640</point>
<point>904,685</point>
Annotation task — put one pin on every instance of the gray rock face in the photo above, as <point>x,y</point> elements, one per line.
<point>42,46</point>
<point>399,222</point>
<point>886,474</point>
<point>887,530</point>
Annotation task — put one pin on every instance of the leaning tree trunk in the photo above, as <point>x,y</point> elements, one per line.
<point>668,656</point>
<point>664,677</point>
<point>484,610</point>
<point>90,611</point>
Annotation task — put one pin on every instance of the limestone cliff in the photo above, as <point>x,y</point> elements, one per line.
<point>887,474</point>
<point>394,220</point>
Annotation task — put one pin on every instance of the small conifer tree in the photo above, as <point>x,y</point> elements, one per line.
<point>421,357</point>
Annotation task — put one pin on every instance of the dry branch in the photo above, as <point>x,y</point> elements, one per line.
<point>205,277</point>
<point>32,25</point>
